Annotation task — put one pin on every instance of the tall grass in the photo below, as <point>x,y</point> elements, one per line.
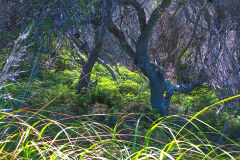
<point>28,135</point>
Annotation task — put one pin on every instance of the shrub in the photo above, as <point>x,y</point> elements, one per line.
<point>195,100</point>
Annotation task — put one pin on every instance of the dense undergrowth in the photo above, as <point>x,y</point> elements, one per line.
<point>56,90</point>
<point>56,123</point>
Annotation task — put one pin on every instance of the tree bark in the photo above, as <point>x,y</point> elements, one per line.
<point>155,75</point>
<point>153,72</point>
<point>92,59</point>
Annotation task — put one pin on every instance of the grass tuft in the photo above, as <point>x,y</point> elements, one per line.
<point>29,135</point>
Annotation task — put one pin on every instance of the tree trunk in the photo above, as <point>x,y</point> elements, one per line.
<point>84,79</point>
<point>153,72</point>
<point>178,71</point>
<point>92,59</point>
<point>155,75</point>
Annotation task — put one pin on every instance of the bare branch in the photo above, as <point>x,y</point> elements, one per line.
<point>181,53</point>
<point>15,58</point>
<point>140,12</point>
<point>109,68</point>
<point>117,32</point>
<point>156,14</point>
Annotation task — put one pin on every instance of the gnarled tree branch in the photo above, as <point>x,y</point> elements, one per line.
<point>140,12</point>
<point>147,33</point>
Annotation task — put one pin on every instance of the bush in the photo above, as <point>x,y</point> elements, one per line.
<point>105,95</point>
<point>129,86</point>
<point>195,100</point>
